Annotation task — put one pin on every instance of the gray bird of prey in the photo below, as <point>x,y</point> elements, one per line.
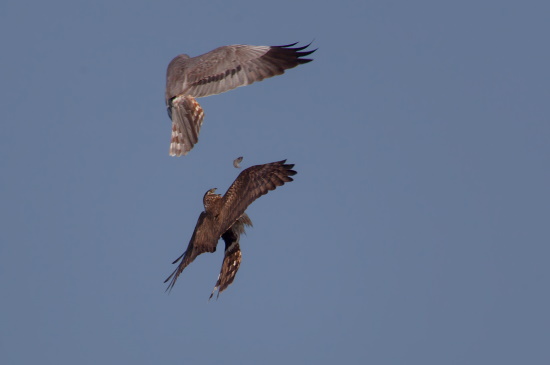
<point>224,217</point>
<point>215,72</point>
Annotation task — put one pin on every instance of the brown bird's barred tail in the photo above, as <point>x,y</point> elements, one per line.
<point>230,266</point>
<point>232,257</point>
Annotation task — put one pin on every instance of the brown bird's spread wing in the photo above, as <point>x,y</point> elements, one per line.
<point>232,256</point>
<point>204,239</point>
<point>228,67</point>
<point>252,183</point>
<point>187,116</point>
<point>225,217</point>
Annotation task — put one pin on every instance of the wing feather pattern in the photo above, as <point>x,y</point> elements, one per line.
<point>251,184</point>
<point>229,67</point>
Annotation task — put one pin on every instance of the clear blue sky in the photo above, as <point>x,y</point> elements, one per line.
<point>416,231</point>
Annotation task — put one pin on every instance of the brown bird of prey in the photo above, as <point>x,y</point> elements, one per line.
<point>215,72</point>
<point>225,217</point>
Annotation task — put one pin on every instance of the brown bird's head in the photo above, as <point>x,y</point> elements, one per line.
<point>209,197</point>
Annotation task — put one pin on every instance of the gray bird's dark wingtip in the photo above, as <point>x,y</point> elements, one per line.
<point>287,45</point>
<point>297,51</point>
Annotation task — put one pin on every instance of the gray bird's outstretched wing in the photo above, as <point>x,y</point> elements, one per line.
<point>228,67</point>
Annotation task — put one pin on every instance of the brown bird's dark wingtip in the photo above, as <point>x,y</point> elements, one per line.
<point>288,168</point>
<point>212,294</point>
<point>168,278</point>
<point>170,286</point>
<point>176,260</point>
